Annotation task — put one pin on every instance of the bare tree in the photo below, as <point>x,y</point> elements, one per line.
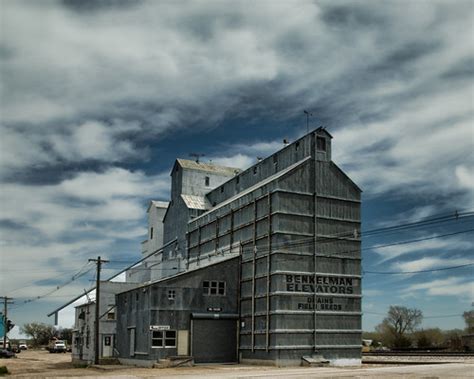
<point>40,333</point>
<point>469,319</point>
<point>399,323</point>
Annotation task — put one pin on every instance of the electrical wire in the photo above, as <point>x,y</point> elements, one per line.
<point>78,275</point>
<point>417,272</point>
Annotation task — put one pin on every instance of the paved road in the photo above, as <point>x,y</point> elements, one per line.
<point>40,364</point>
<point>452,370</point>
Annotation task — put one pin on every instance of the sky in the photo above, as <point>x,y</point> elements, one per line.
<point>98,98</point>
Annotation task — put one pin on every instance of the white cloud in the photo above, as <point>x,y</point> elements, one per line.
<point>245,155</point>
<point>451,286</point>
<point>238,161</point>
<point>56,227</point>
<point>427,263</point>
<point>465,177</point>
<point>116,195</point>
<point>438,245</point>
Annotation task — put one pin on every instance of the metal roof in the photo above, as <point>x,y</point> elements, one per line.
<point>157,204</point>
<point>160,204</point>
<point>196,202</point>
<point>254,187</point>
<point>208,167</point>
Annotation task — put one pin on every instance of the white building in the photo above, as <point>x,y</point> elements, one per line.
<point>83,347</point>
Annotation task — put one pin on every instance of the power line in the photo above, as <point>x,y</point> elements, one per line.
<point>428,221</point>
<point>416,272</point>
<point>74,277</point>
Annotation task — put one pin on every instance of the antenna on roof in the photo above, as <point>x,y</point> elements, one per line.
<point>196,156</point>
<point>307,119</point>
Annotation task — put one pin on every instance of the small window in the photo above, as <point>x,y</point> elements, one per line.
<point>237,180</point>
<point>207,181</point>
<point>163,338</point>
<point>222,189</point>
<point>171,294</point>
<point>255,170</point>
<point>297,146</point>
<point>321,143</point>
<point>151,233</point>
<point>111,315</point>
<point>213,287</point>
<point>275,159</point>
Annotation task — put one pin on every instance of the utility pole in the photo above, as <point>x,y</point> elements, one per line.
<point>99,262</point>
<point>6,301</point>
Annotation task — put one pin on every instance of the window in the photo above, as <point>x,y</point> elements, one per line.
<point>297,146</point>
<point>163,338</point>
<point>111,315</point>
<point>213,287</point>
<point>275,159</point>
<point>255,170</point>
<point>237,180</point>
<point>88,337</point>
<point>207,181</point>
<point>222,189</point>
<point>321,143</point>
<point>171,294</point>
<point>151,233</point>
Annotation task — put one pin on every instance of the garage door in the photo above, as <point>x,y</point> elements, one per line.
<point>214,341</point>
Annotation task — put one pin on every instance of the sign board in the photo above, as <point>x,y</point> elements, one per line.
<point>323,286</point>
<point>160,327</point>
<point>2,326</point>
<point>214,309</point>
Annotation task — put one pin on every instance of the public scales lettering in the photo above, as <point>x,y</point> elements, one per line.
<point>319,284</point>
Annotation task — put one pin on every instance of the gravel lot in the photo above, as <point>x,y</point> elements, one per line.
<point>41,364</point>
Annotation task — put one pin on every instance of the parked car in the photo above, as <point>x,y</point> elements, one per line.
<point>4,353</point>
<point>57,346</point>
<point>23,345</point>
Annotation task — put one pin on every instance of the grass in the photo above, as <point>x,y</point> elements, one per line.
<point>4,371</point>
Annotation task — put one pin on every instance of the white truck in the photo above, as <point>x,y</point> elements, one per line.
<point>57,346</point>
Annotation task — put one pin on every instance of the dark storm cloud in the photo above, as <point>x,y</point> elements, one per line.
<point>99,5</point>
<point>354,15</point>
<point>463,69</point>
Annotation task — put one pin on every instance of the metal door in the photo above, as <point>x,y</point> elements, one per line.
<point>214,340</point>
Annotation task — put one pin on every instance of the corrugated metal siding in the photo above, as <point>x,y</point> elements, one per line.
<point>277,225</point>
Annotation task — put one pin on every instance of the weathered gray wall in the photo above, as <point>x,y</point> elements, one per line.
<point>149,305</point>
<point>303,224</point>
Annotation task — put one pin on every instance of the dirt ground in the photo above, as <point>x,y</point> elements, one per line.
<point>41,364</point>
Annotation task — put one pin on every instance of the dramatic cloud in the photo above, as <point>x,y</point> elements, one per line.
<point>430,263</point>
<point>60,226</point>
<point>437,245</point>
<point>99,97</point>
<point>450,286</point>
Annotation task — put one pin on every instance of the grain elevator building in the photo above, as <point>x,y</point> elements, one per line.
<point>269,265</point>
